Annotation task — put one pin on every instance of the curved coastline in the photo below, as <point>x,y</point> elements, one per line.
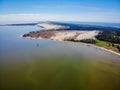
<point>102,48</point>
<point>108,50</point>
<point>49,27</point>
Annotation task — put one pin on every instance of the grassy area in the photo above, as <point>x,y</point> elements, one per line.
<point>106,45</point>
<point>100,43</point>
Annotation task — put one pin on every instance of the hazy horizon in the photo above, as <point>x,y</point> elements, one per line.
<point>17,11</point>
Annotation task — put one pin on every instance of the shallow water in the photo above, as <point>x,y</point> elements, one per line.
<point>32,64</point>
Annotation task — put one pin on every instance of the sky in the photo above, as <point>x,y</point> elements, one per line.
<point>18,11</point>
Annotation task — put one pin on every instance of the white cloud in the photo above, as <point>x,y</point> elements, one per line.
<point>93,17</point>
<point>12,18</point>
<point>30,17</point>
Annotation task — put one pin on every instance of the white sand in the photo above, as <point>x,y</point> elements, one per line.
<point>49,26</point>
<point>74,34</point>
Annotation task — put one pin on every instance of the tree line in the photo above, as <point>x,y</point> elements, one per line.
<point>109,36</point>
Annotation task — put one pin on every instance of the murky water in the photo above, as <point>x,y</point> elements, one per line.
<point>31,64</point>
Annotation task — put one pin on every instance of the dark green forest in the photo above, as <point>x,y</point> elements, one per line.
<point>112,36</point>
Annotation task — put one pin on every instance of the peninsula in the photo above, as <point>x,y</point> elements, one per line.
<point>68,32</point>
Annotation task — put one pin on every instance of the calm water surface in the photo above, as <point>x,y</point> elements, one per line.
<point>32,64</point>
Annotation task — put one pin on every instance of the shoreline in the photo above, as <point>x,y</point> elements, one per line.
<point>108,50</point>
<point>95,46</point>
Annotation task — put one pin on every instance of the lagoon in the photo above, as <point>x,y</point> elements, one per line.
<point>33,64</point>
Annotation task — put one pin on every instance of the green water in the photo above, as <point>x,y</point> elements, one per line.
<point>61,73</point>
<point>29,64</point>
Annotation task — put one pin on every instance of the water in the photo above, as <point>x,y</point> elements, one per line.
<point>99,24</point>
<point>32,64</point>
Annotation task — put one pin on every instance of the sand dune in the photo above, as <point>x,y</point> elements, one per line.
<point>62,35</point>
<point>73,35</point>
<point>50,26</point>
